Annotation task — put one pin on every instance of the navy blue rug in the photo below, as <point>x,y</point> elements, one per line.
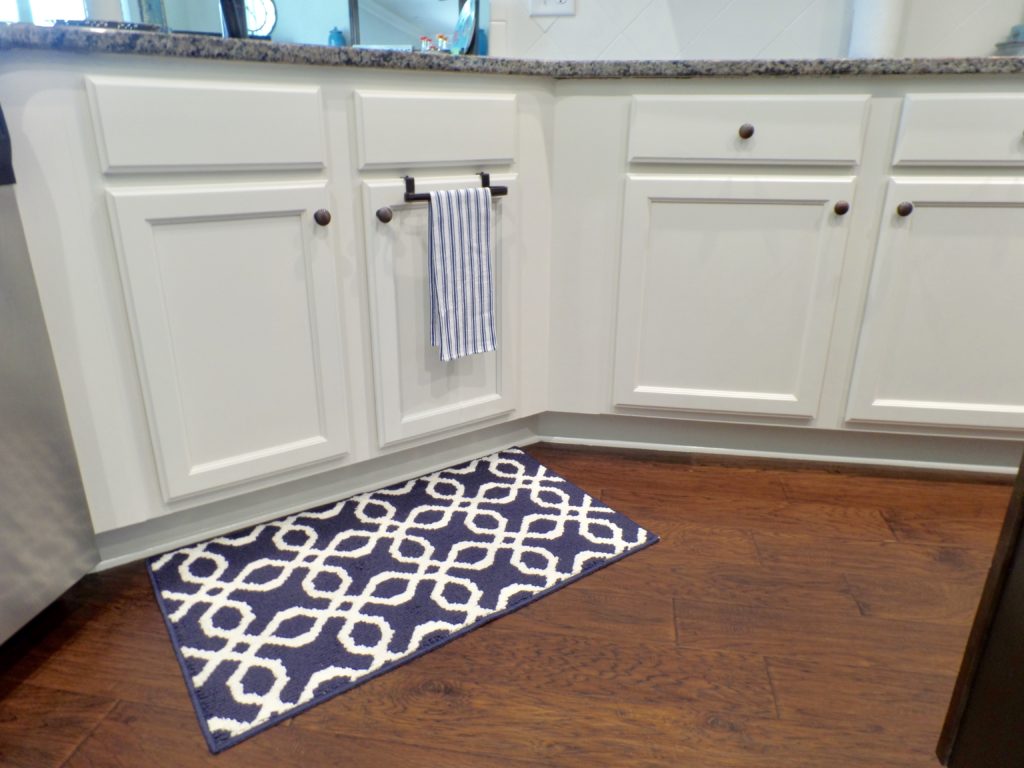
<point>271,620</point>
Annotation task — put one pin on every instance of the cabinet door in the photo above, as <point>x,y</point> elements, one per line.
<point>233,304</point>
<point>727,291</point>
<point>942,334</point>
<point>417,394</point>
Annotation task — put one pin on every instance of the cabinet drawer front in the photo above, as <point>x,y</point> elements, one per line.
<point>417,394</point>
<point>727,292</point>
<point>962,129</point>
<point>822,130</point>
<point>171,125</point>
<point>404,130</point>
<point>232,299</point>
<point>942,332</point>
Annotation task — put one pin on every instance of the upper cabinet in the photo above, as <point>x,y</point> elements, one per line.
<point>233,303</point>
<point>942,329</point>
<point>727,292</point>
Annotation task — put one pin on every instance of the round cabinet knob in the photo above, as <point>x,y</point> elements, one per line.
<point>905,209</point>
<point>322,217</point>
<point>385,214</point>
<point>841,208</point>
<point>746,131</point>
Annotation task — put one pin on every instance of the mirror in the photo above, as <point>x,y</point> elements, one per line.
<point>586,29</point>
<point>406,25</point>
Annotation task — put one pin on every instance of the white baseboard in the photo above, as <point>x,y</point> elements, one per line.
<point>942,453</point>
<point>152,537</point>
<point>783,455</point>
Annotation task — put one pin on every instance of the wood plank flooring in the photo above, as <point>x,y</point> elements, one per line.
<point>790,617</point>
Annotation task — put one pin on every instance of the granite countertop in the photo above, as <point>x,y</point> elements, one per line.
<point>79,40</point>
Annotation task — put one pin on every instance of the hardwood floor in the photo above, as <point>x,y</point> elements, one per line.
<point>790,617</point>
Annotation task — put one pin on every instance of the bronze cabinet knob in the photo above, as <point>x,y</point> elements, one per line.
<point>385,214</point>
<point>841,208</point>
<point>746,131</point>
<point>905,209</point>
<point>322,217</point>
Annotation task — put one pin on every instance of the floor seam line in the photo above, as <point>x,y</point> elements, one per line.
<point>92,730</point>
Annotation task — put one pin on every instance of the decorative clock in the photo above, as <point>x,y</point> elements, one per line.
<point>260,17</point>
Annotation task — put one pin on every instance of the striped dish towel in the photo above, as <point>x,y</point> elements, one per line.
<point>461,278</point>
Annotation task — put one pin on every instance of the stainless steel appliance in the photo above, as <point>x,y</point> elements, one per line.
<point>46,537</point>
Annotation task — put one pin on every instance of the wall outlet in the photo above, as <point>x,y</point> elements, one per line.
<point>552,7</point>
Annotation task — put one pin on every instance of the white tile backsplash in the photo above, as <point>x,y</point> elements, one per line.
<point>745,29</point>
<point>956,27</point>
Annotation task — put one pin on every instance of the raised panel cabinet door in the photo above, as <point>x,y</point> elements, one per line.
<point>727,292</point>
<point>942,332</point>
<point>417,394</point>
<point>233,305</point>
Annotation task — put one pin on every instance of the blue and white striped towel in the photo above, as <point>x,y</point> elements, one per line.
<point>461,276</point>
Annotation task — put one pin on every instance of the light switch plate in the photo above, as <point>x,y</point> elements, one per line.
<point>552,7</point>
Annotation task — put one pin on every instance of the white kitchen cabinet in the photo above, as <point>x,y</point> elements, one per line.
<point>417,394</point>
<point>232,299</point>
<point>727,292</point>
<point>225,360</point>
<point>942,331</point>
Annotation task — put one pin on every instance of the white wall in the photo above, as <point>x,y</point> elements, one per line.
<point>310,21</point>
<point>375,29</point>
<point>957,27</point>
<point>674,29</point>
<point>302,21</point>
<point>741,29</point>
<point>193,15</point>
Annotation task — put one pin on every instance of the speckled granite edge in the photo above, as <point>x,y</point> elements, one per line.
<point>207,47</point>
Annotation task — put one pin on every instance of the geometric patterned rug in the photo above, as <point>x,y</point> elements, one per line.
<point>269,621</point>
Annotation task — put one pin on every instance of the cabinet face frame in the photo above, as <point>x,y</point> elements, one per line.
<point>136,213</point>
<point>395,422</point>
<point>642,192</point>
<point>888,301</point>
